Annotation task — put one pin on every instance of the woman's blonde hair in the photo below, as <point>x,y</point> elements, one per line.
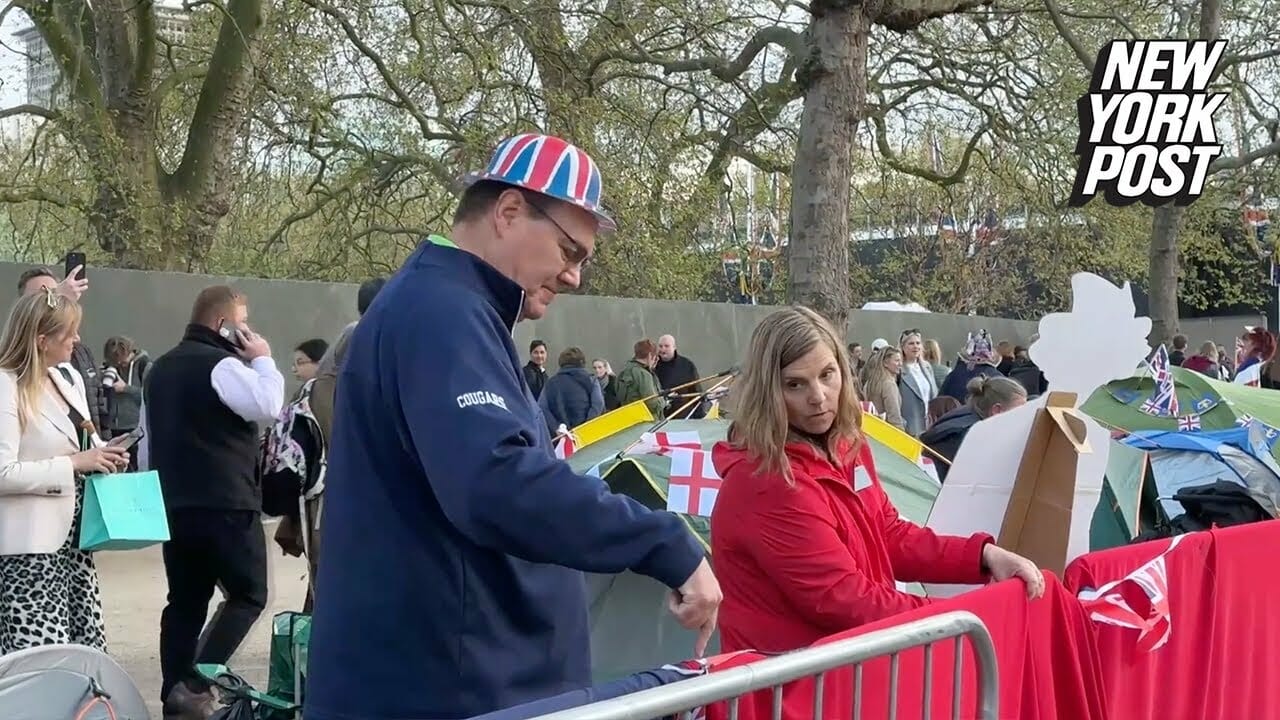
<point>44,313</point>
<point>932,352</point>
<point>875,374</point>
<point>985,392</point>
<point>760,426</point>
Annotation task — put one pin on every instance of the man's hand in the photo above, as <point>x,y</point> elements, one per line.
<point>119,386</point>
<point>1002,565</point>
<point>71,287</point>
<point>253,345</point>
<point>696,603</point>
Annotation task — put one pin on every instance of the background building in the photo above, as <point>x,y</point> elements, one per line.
<point>42,76</point>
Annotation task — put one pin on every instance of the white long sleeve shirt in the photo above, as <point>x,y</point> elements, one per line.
<point>254,391</point>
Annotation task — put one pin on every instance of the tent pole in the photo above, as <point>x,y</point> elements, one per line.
<point>659,425</point>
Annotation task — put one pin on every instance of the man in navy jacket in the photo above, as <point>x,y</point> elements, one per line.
<point>455,543</point>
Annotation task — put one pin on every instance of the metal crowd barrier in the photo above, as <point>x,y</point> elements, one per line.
<point>774,672</point>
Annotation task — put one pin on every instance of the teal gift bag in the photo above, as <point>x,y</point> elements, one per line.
<point>123,511</point>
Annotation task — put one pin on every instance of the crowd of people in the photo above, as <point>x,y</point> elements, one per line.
<point>667,381</point>
<point>454,542</point>
<point>912,387</point>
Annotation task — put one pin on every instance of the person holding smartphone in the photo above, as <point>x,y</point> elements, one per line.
<point>73,287</point>
<point>49,590</point>
<point>204,401</point>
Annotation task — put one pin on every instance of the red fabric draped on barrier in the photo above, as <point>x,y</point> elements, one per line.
<point>1047,663</point>
<point>1222,659</point>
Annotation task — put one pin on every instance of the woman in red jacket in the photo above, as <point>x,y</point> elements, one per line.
<point>805,542</point>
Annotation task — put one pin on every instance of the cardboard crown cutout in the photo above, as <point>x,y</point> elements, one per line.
<point>1032,476</point>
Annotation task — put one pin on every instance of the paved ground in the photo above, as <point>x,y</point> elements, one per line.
<point>134,588</point>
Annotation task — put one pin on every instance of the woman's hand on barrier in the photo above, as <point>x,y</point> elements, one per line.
<point>696,603</point>
<point>105,459</point>
<point>1002,565</point>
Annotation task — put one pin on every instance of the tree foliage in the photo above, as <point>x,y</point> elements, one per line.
<point>322,140</point>
<point>1249,71</point>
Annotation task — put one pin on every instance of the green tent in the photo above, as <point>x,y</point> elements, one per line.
<point>1129,503</point>
<point>1210,404</point>
<point>644,477</point>
<point>631,629</point>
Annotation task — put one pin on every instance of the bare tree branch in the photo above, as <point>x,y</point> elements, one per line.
<point>1239,161</point>
<point>721,69</point>
<point>907,15</point>
<point>1087,59</point>
<point>29,109</point>
<point>354,37</point>
<point>13,196</point>
<point>893,160</point>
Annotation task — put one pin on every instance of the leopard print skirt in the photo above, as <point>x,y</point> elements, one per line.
<point>52,598</point>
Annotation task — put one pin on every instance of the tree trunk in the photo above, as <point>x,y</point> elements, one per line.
<point>126,212</point>
<point>1163,272</point>
<point>834,83</point>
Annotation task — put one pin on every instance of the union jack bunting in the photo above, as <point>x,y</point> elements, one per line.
<point>1164,402</point>
<point>1111,605</point>
<point>1188,422</point>
<point>1244,420</point>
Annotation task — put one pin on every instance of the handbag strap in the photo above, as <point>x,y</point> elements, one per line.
<point>77,419</point>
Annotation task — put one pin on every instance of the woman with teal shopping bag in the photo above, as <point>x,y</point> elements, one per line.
<point>49,589</point>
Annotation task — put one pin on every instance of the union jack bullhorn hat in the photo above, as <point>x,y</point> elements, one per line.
<point>551,166</point>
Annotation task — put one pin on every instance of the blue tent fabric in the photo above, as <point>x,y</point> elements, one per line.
<point>646,680</point>
<point>1246,439</point>
<point>1197,441</point>
<point>1241,455</point>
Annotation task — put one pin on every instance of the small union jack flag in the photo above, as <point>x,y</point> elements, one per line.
<point>1244,421</point>
<point>1164,402</point>
<point>1188,422</point>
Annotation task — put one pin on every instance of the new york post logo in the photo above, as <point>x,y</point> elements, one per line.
<point>1146,126</point>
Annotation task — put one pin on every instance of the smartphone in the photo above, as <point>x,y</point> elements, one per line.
<point>72,261</point>
<point>232,335</point>
<point>127,442</point>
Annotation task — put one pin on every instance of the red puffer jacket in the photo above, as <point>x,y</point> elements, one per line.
<point>800,562</point>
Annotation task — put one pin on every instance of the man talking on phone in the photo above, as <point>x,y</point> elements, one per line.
<point>204,399</point>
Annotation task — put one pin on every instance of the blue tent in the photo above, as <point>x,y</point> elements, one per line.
<point>1190,458</point>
